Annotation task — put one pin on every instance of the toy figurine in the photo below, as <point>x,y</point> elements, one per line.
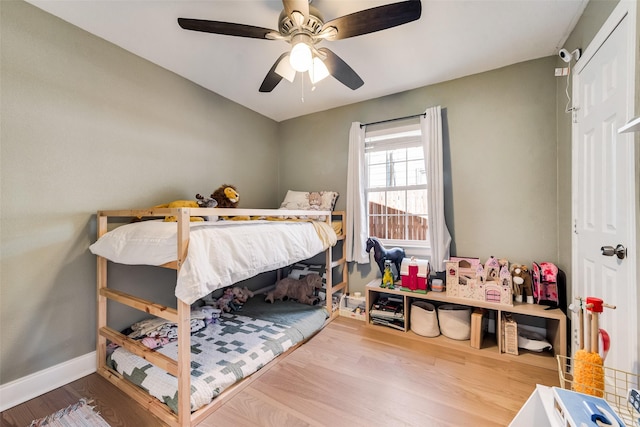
<point>382,255</point>
<point>387,277</point>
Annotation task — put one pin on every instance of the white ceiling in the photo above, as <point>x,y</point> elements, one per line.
<point>453,38</point>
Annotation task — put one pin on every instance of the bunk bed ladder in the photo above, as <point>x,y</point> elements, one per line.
<point>181,316</point>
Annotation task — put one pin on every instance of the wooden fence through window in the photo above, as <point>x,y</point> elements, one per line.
<point>389,223</point>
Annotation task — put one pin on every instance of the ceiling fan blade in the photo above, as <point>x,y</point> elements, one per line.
<point>272,78</point>
<point>300,6</point>
<point>340,70</point>
<point>225,28</point>
<point>374,19</point>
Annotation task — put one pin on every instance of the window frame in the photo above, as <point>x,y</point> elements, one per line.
<point>377,139</point>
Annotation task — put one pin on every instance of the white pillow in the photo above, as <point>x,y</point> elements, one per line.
<point>139,243</point>
<point>310,200</point>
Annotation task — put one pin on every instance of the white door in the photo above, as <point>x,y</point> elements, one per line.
<point>603,189</point>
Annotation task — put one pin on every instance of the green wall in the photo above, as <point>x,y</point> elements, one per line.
<point>86,125</point>
<point>500,166</point>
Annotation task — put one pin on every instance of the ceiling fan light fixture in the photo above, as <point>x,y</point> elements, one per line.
<point>318,71</point>
<point>300,57</point>
<point>302,26</point>
<point>285,70</point>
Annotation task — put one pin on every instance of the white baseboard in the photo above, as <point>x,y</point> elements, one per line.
<point>26,388</point>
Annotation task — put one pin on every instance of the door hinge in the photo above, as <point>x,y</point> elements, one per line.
<point>575,226</point>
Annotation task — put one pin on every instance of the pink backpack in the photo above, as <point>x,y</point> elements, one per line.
<point>545,284</point>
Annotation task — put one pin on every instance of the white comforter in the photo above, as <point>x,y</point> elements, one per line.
<point>220,253</point>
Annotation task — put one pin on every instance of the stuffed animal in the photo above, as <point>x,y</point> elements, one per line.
<point>227,196</point>
<point>241,295</point>
<point>302,290</point>
<point>315,200</point>
<point>204,202</point>
<point>522,283</point>
<point>211,314</point>
<point>226,301</point>
<point>179,204</point>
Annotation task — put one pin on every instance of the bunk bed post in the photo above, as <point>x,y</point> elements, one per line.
<point>329,273</point>
<point>101,300</point>
<point>184,328</point>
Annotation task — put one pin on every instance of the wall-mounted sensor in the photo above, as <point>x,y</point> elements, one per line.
<point>567,57</point>
<point>576,54</point>
<point>564,55</point>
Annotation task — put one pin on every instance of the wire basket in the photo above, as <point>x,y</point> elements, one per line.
<point>615,389</point>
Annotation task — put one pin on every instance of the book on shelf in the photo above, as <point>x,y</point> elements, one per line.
<point>387,314</point>
<point>477,328</point>
<point>391,305</point>
<point>392,323</point>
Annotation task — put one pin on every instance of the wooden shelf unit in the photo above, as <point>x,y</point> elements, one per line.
<point>555,324</point>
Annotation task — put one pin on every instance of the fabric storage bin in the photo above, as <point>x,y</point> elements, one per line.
<point>455,321</point>
<point>424,319</point>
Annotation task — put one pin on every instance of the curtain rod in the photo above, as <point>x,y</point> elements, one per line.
<point>392,120</point>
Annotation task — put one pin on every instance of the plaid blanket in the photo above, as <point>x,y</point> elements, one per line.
<point>225,352</point>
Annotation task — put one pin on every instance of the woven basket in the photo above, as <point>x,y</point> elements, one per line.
<point>424,319</point>
<point>455,321</point>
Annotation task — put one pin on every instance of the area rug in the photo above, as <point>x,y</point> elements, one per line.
<point>80,414</point>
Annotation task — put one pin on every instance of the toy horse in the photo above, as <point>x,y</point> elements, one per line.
<point>380,255</point>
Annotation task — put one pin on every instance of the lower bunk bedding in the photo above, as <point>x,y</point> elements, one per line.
<point>224,352</point>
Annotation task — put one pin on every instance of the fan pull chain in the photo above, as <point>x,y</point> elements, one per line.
<point>302,87</point>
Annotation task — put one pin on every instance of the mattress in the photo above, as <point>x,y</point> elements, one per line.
<point>223,353</point>
<point>220,253</point>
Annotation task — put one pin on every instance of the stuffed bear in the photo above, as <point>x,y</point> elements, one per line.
<point>315,200</point>
<point>302,290</point>
<point>522,283</point>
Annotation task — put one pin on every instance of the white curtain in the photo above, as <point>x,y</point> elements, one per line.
<point>356,221</point>
<point>440,239</point>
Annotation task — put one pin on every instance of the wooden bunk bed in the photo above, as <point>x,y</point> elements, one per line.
<point>181,315</point>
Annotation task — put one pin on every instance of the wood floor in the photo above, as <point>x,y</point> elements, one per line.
<point>347,375</point>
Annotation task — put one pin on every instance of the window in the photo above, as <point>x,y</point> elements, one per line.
<point>396,185</point>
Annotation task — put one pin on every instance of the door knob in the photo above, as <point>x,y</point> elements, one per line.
<point>619,251</point>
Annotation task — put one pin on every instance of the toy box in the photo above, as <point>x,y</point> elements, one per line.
<point>468,278</point>
<point>461,277</point>
<point>451,278</point>
<point>423,275</point>
<point>353,306</point>
<point>577,409</point>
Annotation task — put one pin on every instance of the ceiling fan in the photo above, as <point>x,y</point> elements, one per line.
<point>302,26</point>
